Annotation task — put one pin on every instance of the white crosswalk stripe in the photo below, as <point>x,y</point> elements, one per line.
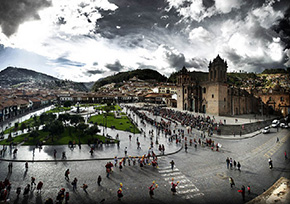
<point>185,188</point>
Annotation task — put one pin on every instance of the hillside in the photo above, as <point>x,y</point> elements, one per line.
<point>25,78</point>
<point>143,74</point>
<point>196,76</point>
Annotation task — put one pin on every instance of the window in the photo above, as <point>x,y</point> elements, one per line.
<point>204,90</point>
<point>270,98</point>
<point>212,96</point>
<point>224,99</point>
<point>281,99</point>
<point>184,90</point>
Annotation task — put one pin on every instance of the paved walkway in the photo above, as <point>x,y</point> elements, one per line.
<point>25,153</point>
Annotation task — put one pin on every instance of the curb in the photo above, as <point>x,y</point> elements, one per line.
<point>79,160</point>
<point>237,138</point>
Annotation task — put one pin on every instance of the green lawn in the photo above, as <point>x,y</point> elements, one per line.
<point>63,139</point>
<point>120,124</point>
<point>29,122</point>
<point>59,109</point>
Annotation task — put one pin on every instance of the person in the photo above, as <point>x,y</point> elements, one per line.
<point>26,166</point>
<point>18,191</point>
<point>173,186</point>
<point>235,164</point>
<point>277,139</point>
<point>243,190</point>
<point>232,183</point>
<point>172,164</point>
<point>74,184</point>
<point>228,162</point>
<point>99,180</point>
<point>239,166</point>
<point>185,147</point>
<point>54,153</point>
<point>10,167</point>
<point>120,193</point>
<point>125,151</point>
<point>85,186</point>
<point>270,163</point>
<point>66,198</point>
<point>66,174</point>
<point>249,190</point>
<point>39,186</point>
<point>32,182</point>
<point>152,188</point>
<point>26,190</point>
<point>285,154</point>
<point>63,155</point>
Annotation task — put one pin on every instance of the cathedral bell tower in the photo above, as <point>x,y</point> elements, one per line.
<point>218,70</point>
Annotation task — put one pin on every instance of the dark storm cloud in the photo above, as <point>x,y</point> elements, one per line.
<point>64,61</point>
<point>208,3</point>
<point>283,28</point>
<point>144,66</point>
<point>15,12</point>
<point>93,72</point>
<point>116,67</point>
<point>95,63</point>
<point>135,17</point>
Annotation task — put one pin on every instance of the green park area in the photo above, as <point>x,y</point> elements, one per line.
<point>122,123</point>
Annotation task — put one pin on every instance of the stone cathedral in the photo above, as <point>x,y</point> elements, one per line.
<point>213,95</point>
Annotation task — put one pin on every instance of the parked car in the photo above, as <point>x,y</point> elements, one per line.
<point>266,130</point>
<point>284,125</point>
<point>275,123</point>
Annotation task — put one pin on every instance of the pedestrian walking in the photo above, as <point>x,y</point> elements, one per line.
<point>249,190</point>
<point>26,166</point>
<point>172,164</point>
<point>99,180</point>
<point>66,198</point>
<point>185,147</point>
<point>239,166</point>
<point>242,191</point>
<point>32,182</point>
<point>285,154</point>
<point>125,151</point>
<point>74,184</point>
<point>26,190</point>
<point>18,191</point>
<point>228,162</point>
<point>173,186</point>
<point>10,167</point>
<point>232,183</point>
<point>277,138</point>
<point>54,153</point>
<point>152,188</point>
<point>39,186</point>
<point>231,163</point>
<point>33,152</point>
<point>270,163</point>
<point>66,174</point>
<point>235,164</point>
<point>63,155</point>
<point>85,186</point>
<point>120,194</point>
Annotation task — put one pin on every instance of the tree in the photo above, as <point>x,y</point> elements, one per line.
<point>64,118</point>
<point>55,128</point>
<point>16,125</point>
<point>23,126</point>
<point>46,117</point>
<point>93,130</point>
<point>34,134</point>
<point>76,119</point>
<point>67,104</point>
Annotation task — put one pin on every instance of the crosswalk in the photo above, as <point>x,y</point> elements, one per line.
<point>185,188</point>
<point>276,147</point>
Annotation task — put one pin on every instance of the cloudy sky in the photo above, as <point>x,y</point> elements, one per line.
<point>84,40</point>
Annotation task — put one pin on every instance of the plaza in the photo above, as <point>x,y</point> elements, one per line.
<point>201,171</point>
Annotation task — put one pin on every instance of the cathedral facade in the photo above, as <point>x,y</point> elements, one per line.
<point>214,95</point>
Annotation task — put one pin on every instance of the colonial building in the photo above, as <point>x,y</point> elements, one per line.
<point>213,95</point>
